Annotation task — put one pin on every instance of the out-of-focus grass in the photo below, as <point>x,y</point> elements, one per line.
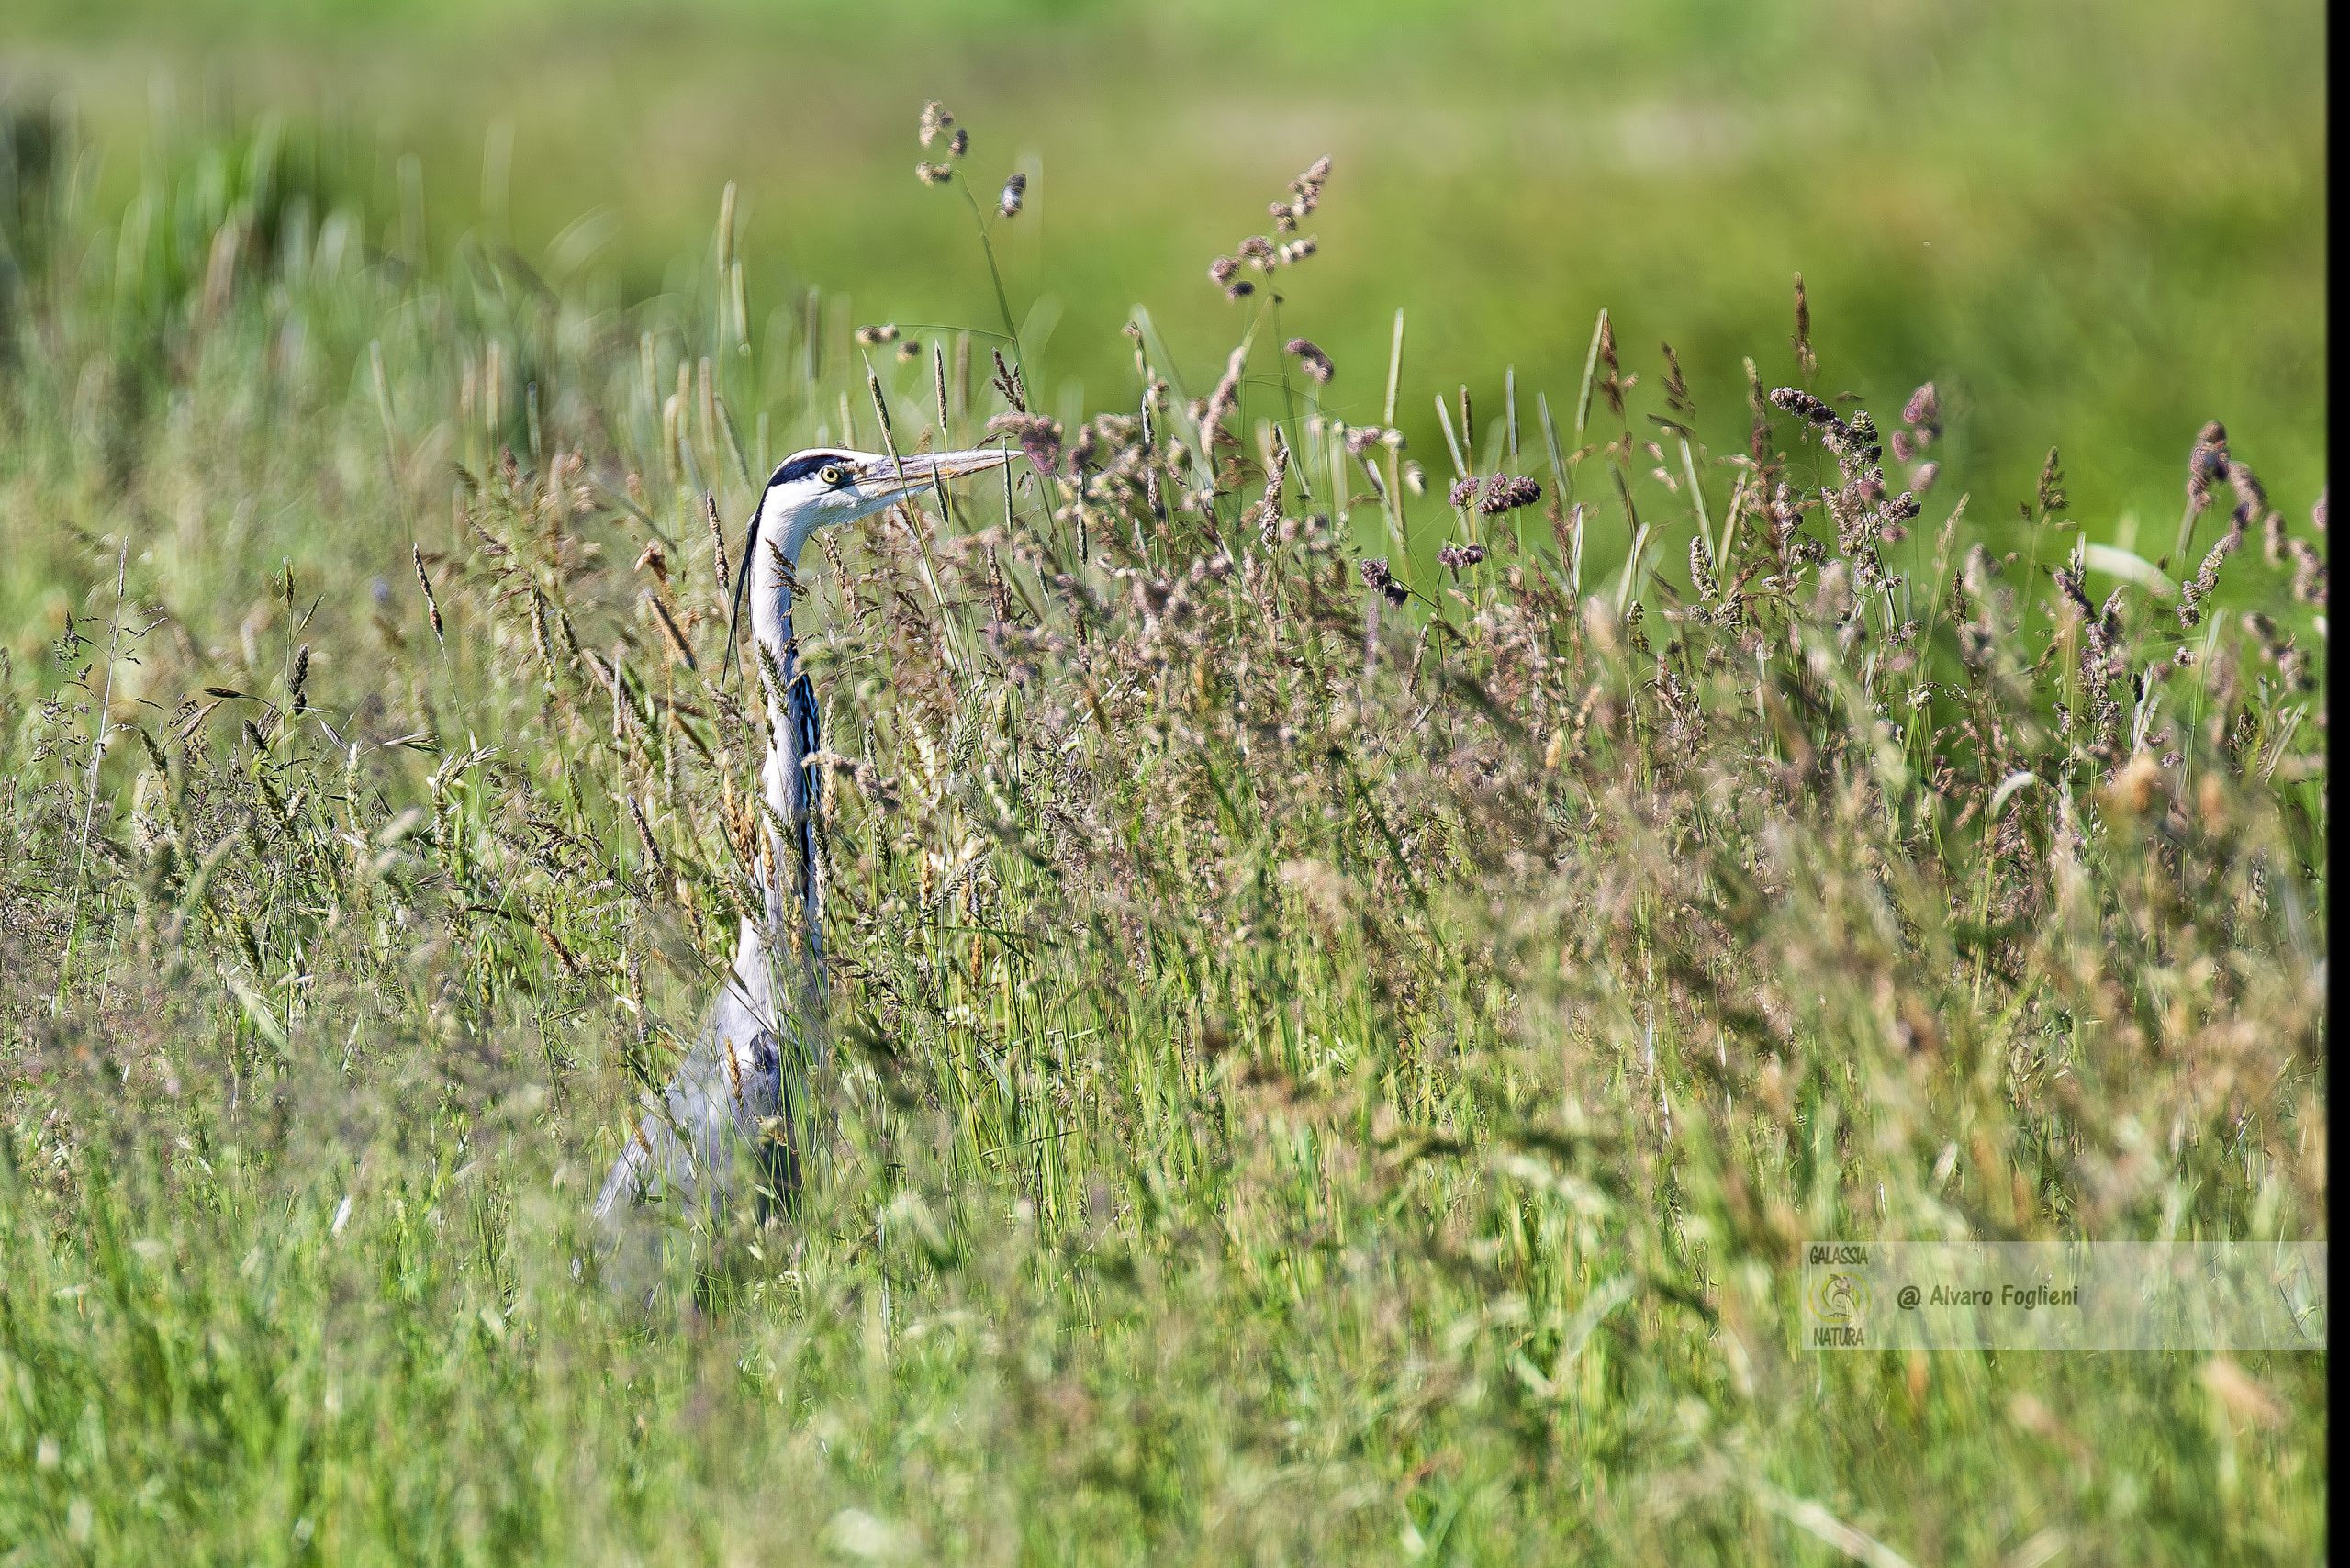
<point>2093,225</point>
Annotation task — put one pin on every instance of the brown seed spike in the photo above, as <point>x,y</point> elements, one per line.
<point>1677,390</point>
<point>1758,437</point>
<point>645,833</point>
<point>717,547</point>
<point>431,604</point>
<point>2051,496</point>
<point>1805,361</point>
<point>1007,381</point>
<point>670,632</point>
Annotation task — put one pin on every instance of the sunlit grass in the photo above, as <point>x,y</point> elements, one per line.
<point>1319,1074</point>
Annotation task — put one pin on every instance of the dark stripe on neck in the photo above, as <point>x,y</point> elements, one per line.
<point>801,714</point>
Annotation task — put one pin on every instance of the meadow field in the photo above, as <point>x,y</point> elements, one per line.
<point>1381,886</point>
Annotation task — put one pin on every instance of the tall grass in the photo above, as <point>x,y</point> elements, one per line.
<point>1339,1044</point>
<point>2091,224</point>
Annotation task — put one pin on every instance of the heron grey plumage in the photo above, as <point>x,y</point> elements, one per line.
<point>726,1126</point>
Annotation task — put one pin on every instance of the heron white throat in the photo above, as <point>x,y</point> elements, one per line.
<point>728,1115</point>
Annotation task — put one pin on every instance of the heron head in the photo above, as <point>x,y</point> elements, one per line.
<point>825,486</point>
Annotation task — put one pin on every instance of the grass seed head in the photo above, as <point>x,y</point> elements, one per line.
<point>2207,463</point>
<point>1506,492</point>
<point>1039,437</point>
<point>1315,363</point>
<point>1923,414</point>
<point>1226,396</point>
<point>2050,494</point>
<point>1676,390</point>
<point>1805,405</point>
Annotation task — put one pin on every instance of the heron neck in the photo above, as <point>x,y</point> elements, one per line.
<point>788,790</point>
<point>773,569</point>
<point>783,778</point>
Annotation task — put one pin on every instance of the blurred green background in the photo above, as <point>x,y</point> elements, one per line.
<point>2094,225</point>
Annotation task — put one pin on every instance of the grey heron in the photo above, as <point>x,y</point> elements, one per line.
<point>723,1128</point>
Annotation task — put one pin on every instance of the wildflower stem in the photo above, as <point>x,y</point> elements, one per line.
<point>1395,369</point>
<point>995,277</point>
<point>1590,366</point>
<point>97,754</point>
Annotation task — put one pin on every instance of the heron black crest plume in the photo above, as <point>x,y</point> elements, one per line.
<point>742,588</point>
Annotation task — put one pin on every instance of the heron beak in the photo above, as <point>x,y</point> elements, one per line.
<point>892,480</point>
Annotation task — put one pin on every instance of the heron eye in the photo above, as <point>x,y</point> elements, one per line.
<point>832,474</point>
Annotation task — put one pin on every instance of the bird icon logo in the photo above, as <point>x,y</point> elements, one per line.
<point>1840,1298</point>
